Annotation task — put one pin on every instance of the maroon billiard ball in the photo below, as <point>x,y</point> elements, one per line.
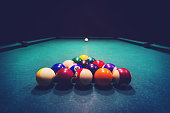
<point>65,76</point>
<point>121,76</point>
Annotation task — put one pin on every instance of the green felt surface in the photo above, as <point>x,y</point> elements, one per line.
<point>150,84</point>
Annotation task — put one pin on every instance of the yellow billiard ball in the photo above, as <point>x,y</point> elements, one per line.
<point>45,76</point>
<point>83,57</point>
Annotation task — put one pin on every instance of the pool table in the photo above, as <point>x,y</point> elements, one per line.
<point>148,92</point>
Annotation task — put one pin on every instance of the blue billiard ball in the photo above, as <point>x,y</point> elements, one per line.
<point>57,67</point>
<point>75,67</point>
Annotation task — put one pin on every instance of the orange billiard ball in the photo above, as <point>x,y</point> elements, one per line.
<point>103,77</point>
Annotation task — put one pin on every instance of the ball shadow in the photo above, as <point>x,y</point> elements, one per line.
<point>108,87</point>
<point>61,89</point>
<point>41,90</point>
<point>83,90</point>
<point>125,89</point>
<point>107,90</point>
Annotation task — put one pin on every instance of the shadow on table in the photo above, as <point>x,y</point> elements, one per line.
<point>83,90</point>
<point>125,89</point>
<point>159,49</point>
<point>62,90</point>
<point>108,90</point>
<point>23,44</point>
<point>149,46</point>
<point>39,90</point>
<point>39,41</point>
<point>10,48</point>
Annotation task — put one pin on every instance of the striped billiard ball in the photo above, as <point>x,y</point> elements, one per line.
<point>121,76</point>
<point>83,77</point>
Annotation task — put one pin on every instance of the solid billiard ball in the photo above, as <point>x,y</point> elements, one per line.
<point>76,59</point>
<point>99,63</point>
<point>91,59</point>
<point>83,77</point>
<point>86,39</point>
<point>83,63</point>
<point>110,66</point>
<point>103,77</point>
<point>68,63</point>
<point>83,57</point>
<point>57,67</point>
<point>45,76</point>
<point>75,67</point>
<point>121,76</point>
<point>65,76</point>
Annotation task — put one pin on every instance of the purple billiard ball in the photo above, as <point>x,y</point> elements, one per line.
<point>110,66</point>
<point>83,63</point>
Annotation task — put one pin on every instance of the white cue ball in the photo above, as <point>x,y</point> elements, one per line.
<point>86,39</point>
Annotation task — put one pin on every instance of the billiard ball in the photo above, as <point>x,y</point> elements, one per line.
<point>45,76</point>
<point>57,67</point>
<point>83,57</point>
<point>75,67</point>
<point>110,66</point>
<point>68,63</point>
<point>103,77</point>
<point>83,77</point>
<point>65,76</point>
<point>91,59</point>
<point>83,63</point>
<point>121,76</point>
<point>76,59</point>
<point>86,39</point>
<point>99,63</point>
<point>93,68</point>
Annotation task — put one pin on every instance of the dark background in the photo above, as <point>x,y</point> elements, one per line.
<point>139,20</point>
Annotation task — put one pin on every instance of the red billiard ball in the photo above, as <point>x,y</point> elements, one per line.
<point>83,77</point>
<point>103,77</point>
<point>65,76</point>
<point>121,76</point>
<point>99,63</point>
